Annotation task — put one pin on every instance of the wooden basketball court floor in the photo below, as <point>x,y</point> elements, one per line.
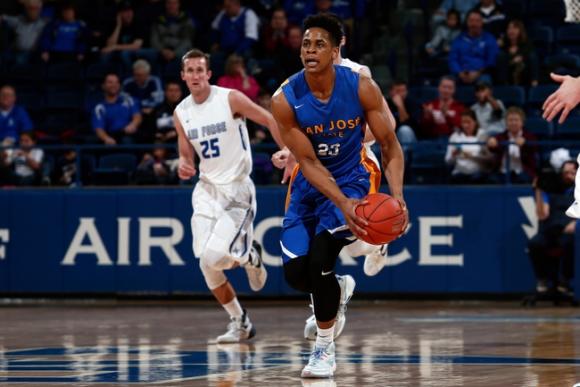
<point>385,343</point>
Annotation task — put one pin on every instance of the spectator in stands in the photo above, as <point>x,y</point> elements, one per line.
<point>440,43</point>
<point>172,33</point>
<point>494,18</point>
<point>13,118</point>
<point>22,166</point>
<point>521,155</point>
<point>64,39</point>
<point>234,30</point>
<point>27,29</point>
<point>467,152</point>
<point>126,41</point>
<point>287,61</point>
<point>155,168</point>
<point>406,111</point>
<point>442,116</point>
<point>490,111</point>
<point>117,118</point>
<point>297,10</point>
<point>461,6</point>
<point>275,34</point>
<point>144,87</point>
<point>260,134</point>
<point>556,230</point>
<point>164,126</point>
<point>66,168</point>
<point>517,60</point>
<point>473,53</point>
<point>237,78</point>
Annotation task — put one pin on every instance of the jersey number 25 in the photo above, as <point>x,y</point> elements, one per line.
<point>210,148</point>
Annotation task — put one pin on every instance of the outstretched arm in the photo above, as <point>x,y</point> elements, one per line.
<point>564,99</point>
<point>242,105</point>
<point>378,118</point>
<point>310,165</point>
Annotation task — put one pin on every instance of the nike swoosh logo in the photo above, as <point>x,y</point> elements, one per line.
<point>298,106</point>
<point>326,272</point>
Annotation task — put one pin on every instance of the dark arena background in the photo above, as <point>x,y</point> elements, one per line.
<point>99,285</point>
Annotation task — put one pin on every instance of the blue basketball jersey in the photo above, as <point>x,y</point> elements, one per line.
<point>335,128</point>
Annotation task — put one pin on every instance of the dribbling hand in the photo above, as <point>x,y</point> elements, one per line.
<point>185,170</point>
<point>355,223</point>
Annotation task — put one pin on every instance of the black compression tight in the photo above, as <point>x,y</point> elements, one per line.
<point>314,273</point>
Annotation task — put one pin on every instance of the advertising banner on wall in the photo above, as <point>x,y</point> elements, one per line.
<point>138,241</point>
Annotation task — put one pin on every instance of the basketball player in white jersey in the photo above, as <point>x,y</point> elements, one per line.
<point>375,256</point>
<point>210,122</point>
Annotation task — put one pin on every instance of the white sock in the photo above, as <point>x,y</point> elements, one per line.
<point>234,308</point>
<point>324,337</point>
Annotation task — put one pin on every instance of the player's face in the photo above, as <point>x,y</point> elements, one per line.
<point>196,75</point>
<point>317,52</point>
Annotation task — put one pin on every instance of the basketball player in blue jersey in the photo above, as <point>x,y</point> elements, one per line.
<point>375,256</point>
<point>322,112</point>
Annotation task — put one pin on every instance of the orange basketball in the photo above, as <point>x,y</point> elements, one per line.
<point>385,217</point>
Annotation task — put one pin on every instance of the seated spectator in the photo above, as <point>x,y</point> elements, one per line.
<point>473,53</point>
<point>260,134</point>
<point>406,111</point>
<point>65,169</point>
<point>13,118</point>
<point>172,33</point>
<point>442,116</point>
<point>288,61</point>
<point>517,60</point>
<point>164,125</point>
<point>27,30</point>
<point>64,39</point>
<point>234,30</point>
<point>155,168</point>
<point>465,152</point>
<point>117,118</point>
<point>275,34</point>
<point>144,87</point>
<point>440,43</point>
<point>556,230</point>
<point>126,41</point>
<point>237,77</point>
<point>494,18</point>
<point>520,156</point>
<point>21,166</point>
<point>490,111</point>
<point>297,10</point>
<point>461,6</point>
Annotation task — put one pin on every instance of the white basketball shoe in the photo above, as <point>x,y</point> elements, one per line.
<point>238,329</point>
<point>375,261</point>
<point>321,364</point>
<point>255,269</point>
<point>347,285</point>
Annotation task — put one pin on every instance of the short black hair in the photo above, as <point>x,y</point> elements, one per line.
<point>328,23</point>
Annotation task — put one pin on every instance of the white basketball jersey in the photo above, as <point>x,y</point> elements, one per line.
<point>354,66</point>
<point>220,140</point>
